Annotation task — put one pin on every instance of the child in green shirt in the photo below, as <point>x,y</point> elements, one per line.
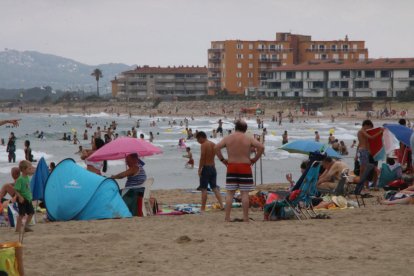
<point>24,195</point>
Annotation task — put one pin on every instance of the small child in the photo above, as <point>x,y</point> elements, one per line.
<point>190,163</point>
<point>24,195</point>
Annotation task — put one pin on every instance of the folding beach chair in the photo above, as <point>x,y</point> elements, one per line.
<point>358,188</point>
<point>303,202</point>
<point>146,206</point>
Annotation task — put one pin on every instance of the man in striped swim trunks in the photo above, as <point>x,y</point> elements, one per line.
<point>239,171</point>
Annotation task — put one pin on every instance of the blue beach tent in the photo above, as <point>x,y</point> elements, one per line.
<point>74,193</point>
<point>38,182</point>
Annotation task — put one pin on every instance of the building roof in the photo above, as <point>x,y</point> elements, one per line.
<point>168,70</point>
<point>381,63</point>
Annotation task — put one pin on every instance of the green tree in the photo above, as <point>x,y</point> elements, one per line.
<point>97,73</point>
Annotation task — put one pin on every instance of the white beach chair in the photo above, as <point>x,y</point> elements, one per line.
<point>146,204</point>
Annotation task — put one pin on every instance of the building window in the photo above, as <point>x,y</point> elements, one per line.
<point>345,94</point>
<point>411,73</point>
<point>239,65</point>
<point>345,74</point>
<point>250,75</point>
<point>344,84</point>
<point>250,56</point>
<point>355,46</point>
<point>321,47</point>
<point>361,56</point>
<point>370,74</point>
<point>334,84</point>
<point>345,56</point>
<point>317,84</point>
<point>239,56</point>
<point>239,84</point>
<point>381,94</point>
<point>385,73</point>
<point>324,56</point>
<point>333,47</point>
<point>239,75</point>
<point>313,47</point>
<point>251,46</point>
<point>284,56</point>
<point>316,56</point>
<point>274,57</point>
<point>345,47</point>
<point>358,74</point>
<point>411,84</point>
<point>239,46</point>
<point>335,56</point>
<point>274,85</point>
<point>291,75</point>
<point>361,84</point>
<point>334,94</point>
<point>250,65</point>
<point>296,84</point>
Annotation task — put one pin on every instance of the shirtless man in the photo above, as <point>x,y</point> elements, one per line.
<point>207,170</point>
<point>239,171</point>
<point>8,188</point>
<point>363,144</point>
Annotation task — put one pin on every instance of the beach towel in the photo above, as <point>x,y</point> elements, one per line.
<point>388,174</point>
<point>376,146</point>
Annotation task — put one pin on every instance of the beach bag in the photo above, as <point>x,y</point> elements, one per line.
<point>278,210</point>
<point>12,213</point>
<point>11,258</point>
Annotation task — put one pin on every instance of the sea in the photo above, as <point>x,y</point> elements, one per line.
<point>168,168</point>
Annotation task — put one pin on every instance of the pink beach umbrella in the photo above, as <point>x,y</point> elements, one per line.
<point>123,146</point>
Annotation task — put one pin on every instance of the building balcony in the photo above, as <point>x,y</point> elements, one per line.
<point>214,59</point>
<point>362,89</point>
<point>287,50</point>
<point>214,69</point>
<point>214,78</point>
<point>269,60</point>
<point>336,50</point>
<point>215,50</point>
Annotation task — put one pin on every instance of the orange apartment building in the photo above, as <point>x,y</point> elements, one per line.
<point>237,65</point>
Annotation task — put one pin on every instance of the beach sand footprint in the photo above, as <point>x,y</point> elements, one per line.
<point>183,239</point>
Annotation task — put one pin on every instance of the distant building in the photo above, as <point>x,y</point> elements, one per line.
<point>153,82</point>
<point>236,65</point>
<point>370,78</point>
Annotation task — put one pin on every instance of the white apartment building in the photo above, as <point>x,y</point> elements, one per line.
<point>152,82</point>
<point>372,78</point>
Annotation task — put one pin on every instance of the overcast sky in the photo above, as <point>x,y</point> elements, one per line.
<point>178,32</point>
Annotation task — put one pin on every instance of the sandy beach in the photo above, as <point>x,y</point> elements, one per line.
<point>363,241</point>
<point>375,240</point>
<point>211,107</point>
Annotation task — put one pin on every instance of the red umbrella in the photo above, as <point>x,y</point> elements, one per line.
<point>123,146</point>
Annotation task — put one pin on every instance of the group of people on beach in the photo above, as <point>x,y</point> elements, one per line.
<point>243,151</point>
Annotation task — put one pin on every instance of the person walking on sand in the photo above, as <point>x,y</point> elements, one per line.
<point>207,170</point>
<point>239,171</point>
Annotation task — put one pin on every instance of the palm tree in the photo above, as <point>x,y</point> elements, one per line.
<point>97,73</point>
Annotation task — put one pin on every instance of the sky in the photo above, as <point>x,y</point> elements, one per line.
<point>179,32</point>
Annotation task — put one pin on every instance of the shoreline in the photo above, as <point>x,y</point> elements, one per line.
<point>212,108</point>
